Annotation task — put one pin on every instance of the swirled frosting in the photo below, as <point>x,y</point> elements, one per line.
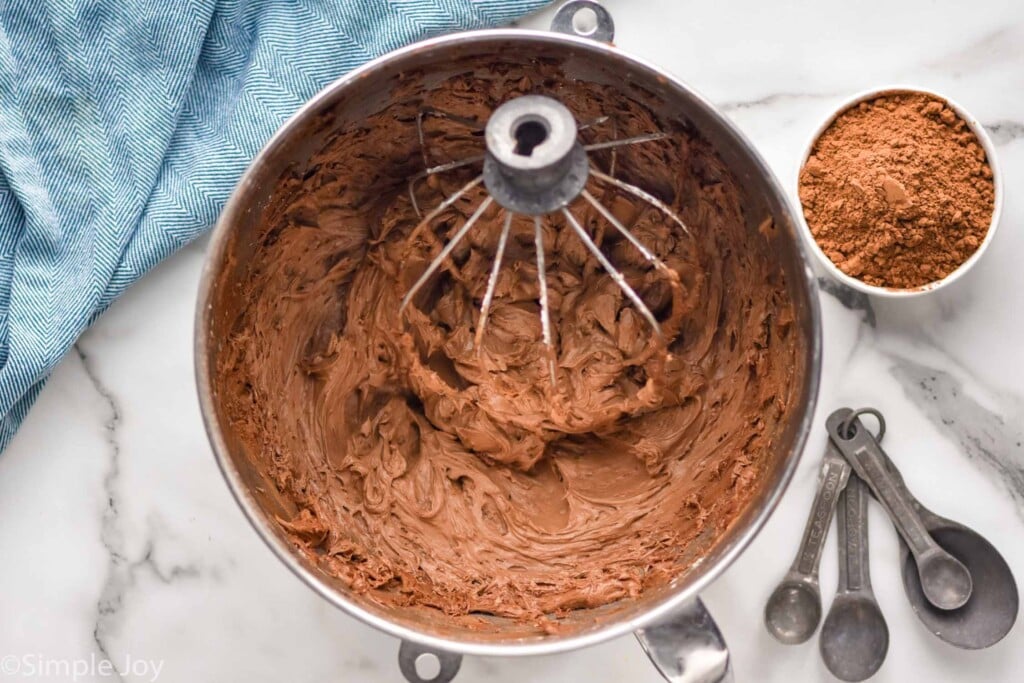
<point>422,470</point>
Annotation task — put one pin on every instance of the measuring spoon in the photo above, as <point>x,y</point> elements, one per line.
<point>945,581</point>
<point>854,638</point>
<point>992,608</point>
<point>794,608</point>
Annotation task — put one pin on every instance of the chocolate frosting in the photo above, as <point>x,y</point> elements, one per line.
<point>423,471</point>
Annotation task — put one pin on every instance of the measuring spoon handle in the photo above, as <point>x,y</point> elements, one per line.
<point>870,463</point>
<point>852,521</point>
<point>834,473</point>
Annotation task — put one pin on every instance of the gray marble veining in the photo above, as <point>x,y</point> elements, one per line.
<point>112,593</point>
<point>990,440</point>
<point>1004,132</point>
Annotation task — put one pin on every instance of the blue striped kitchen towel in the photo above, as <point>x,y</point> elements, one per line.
<point>124,125</point>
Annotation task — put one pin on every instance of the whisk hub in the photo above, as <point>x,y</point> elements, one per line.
<point>534,163</point>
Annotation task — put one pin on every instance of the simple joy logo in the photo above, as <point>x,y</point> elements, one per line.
<point>79,669</point>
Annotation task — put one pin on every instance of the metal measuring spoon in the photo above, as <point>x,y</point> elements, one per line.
<point>992,608</point>
<point>854,638</point>
<point>794,608</point>
<point>945,581</point>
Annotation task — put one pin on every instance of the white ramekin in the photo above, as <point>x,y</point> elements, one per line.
<point>997,179</point>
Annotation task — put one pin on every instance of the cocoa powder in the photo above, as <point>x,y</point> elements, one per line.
<point>898,191</point>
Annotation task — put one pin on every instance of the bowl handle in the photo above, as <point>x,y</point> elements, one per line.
<point>601,28</point>
<point>409,653</point>
<point>687,646</point>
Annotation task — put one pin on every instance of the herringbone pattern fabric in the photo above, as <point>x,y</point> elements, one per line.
<point>124,125</point>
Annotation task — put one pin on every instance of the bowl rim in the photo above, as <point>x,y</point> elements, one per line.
<point>997,180</point>
<point>674,599</point>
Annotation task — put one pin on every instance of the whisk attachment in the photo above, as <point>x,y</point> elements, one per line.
<point>614,272</point>
<point>645,196</point>
<point>545,307</point>
<point>492,281</point>
<point>445,251</point>
<point>535,165</point>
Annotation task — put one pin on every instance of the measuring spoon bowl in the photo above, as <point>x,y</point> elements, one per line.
<point>992,609</point>
<point>793,610</point>
<point>989,614</point>
<point>854,638</point>
<point>945,581</point>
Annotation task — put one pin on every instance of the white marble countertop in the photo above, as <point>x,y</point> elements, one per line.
<point>122,539</point>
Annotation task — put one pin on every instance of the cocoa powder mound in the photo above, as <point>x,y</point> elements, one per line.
<point>898,191</point>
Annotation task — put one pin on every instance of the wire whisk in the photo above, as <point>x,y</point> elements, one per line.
<point>535,166</point>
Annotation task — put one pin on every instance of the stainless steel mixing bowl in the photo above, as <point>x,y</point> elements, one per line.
<point>670,622</point>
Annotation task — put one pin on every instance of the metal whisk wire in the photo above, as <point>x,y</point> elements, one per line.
<point>525,183</point>
<point>445,251</point>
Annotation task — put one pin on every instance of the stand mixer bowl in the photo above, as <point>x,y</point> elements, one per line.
<point>670,620</point>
